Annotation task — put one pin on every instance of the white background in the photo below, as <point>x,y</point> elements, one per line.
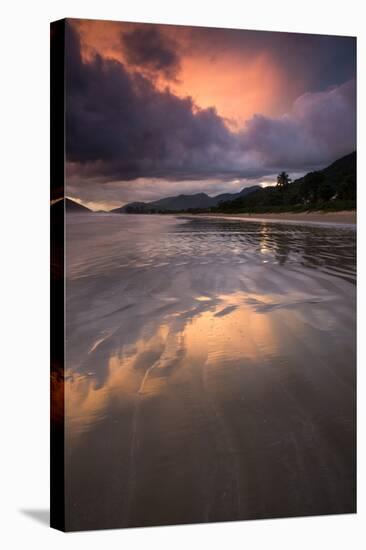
<point>24,306</point>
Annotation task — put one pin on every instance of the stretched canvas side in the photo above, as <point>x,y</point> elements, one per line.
<point>57,496</point>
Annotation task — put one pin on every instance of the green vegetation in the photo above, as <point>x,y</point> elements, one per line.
<point>331,189</point>
<point>283,180</point>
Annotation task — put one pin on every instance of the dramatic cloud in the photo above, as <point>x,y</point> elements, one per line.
<point>320,128</point>
<point>147,48</point>
<point>311,61</point>
<point>239,72</point>
<point>122,127</point>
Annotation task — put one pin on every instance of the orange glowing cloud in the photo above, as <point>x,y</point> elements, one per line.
<point>237,88</point>
<point>237,84</point>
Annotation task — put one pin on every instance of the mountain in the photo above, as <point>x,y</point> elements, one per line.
<point>75,208</point>
<point>68,205</point>
<point>182,202</point>
<point>341,170</point>
<point>333,187</point>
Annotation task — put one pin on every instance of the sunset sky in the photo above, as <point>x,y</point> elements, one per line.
<point>159,110</point>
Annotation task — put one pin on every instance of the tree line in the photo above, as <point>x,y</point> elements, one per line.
<point>333,188</point>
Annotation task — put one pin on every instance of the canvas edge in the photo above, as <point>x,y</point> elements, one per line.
<point>57,316</point>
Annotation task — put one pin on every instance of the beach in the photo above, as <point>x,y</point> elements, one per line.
<point>341,217</point>
<point>210,370</point>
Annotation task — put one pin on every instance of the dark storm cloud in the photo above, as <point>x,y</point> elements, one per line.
<point>147,48</point>
<point>124,127</point>
<point>121,127</point>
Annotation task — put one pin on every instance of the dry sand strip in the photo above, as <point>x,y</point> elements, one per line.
<point>347,217</point>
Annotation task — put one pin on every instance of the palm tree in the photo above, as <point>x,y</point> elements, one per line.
<point>283,179</point>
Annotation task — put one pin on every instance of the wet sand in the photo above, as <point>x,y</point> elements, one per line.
<point>341,217</point>
<point>210,370</point>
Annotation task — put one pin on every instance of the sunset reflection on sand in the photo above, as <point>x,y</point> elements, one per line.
<point>208,362</point>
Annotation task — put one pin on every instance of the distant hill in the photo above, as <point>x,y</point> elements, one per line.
<point>337,172</point>
<point>68,205</point>
<point>74,207</point>
<point>181,203</point>
<point>333,188</point>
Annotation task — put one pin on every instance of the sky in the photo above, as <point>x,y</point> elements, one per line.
<point>159,110</point>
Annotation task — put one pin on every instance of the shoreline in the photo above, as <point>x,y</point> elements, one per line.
<point>343,217</point>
